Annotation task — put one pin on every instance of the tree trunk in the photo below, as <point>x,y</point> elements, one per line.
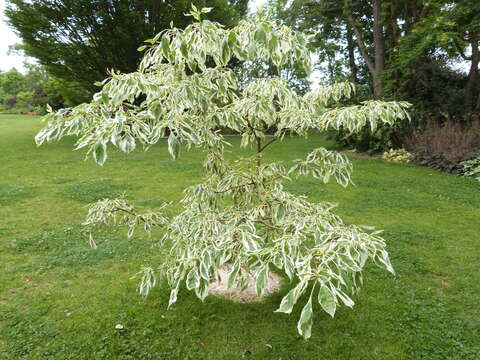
<point>473,73</point>
<point>379,50</point>
<point>351,54</point>
<point>376,65</point>
<point>392,35</point>
<point>392,29</point>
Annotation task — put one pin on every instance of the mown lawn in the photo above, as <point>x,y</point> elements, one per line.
<point>61,299</point>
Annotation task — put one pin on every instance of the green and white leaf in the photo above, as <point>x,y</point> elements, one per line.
<point>305,322</point>
<point>326,300</point>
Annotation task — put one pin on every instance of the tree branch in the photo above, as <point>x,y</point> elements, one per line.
<point>235,187</point>
<point>268,143</point>
<point>360,42</point>
<point>461,52</point>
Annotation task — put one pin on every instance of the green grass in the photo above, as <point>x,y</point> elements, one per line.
<point>60,299</point>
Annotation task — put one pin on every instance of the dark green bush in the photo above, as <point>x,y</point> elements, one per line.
<point>380,140</point>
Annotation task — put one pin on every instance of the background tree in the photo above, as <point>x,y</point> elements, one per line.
<point>32,91</point>
<point>409,39</point>
<point>342,28</point>
<point>448,31</point>
<point>412,50</point>
<point>241,214</point>
<point>12,82</point>
<point>78,41</point>
<point>328,27</point>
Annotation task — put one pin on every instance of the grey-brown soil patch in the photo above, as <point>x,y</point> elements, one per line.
<point>219,287</point>
<point>443,283</point>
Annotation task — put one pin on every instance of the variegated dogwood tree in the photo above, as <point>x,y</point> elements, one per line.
<point>240,215</point>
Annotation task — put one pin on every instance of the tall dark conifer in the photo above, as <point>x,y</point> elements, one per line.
<point>80,40</point>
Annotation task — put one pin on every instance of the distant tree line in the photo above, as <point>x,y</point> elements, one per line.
<point>31,92</point>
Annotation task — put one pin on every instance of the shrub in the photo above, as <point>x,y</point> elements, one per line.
<point>397,155</point>
<point>365,140</point>
<point>241,215</point>
<point>39,110</point>
<point>471,168</point>
<point>444,146</point>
